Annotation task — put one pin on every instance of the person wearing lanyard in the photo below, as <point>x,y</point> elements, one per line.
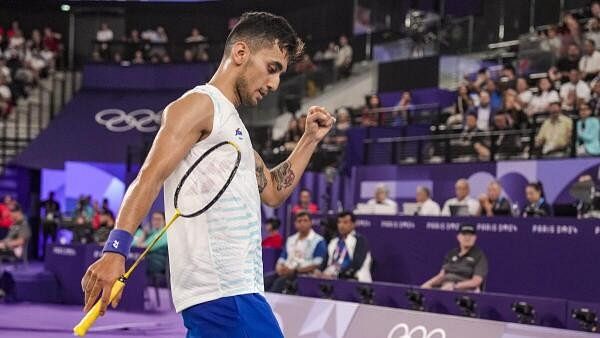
<point>537,204</point>
<point>303,253</point>
<point>349,256</point>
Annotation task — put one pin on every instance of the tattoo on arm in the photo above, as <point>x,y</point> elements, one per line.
<point>283,176</point>
<point>261,179</point>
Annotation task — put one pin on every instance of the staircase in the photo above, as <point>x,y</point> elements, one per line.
<point>32,115</point>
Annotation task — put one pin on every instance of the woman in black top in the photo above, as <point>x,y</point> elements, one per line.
<point>537,207</point>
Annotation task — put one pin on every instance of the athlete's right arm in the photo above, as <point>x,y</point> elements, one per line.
<point>184,122</point>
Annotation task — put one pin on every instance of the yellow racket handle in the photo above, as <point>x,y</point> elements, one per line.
<point>90,317</point>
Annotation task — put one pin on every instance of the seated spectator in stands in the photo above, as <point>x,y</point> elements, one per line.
<point>195,36</point>
<point>570,29</point>
<point>17,41</point>
<point>493,203</point>
<point>402,111</point>
<point>11,203</point>
<point>462,204</point>
<point>495,96</point>
<point>570,61</point>
<point>462,105</point>
<point>104,34</point>
<point>575,84</point>
<point>188,56</point>
<point>348,254</point>
<point>14,243</point>
<point>513,109</point>
<point>589,64</point>
<point>425,205</point>
<point>370,113</point>
<point>50,217</point>
<point>524,95</point>
<point>328,54</point>
<point>484,111</point>
<point>545,95</point>
<point>554,137</point>
<point>303,254</point>
<point>505,144</point>
<point>6,219</point>
<point>593,32</point>
<point>273,239</point>
<point>5,96</point>
<point>595,9</point>
<point>293,134</point>
<point>106,207</point>
<point>138,58</point>
<point>51,40</point>
<point>551,41</point>
<point>507,79</point>
<point>480,80</point>
<point>537,207</point>
<point>588,132</point>
<point>465,268</point>
<point>343,59</point>
<point>107,223</point>
<point>470,143</point>
<point>595,101</point>
<point>157,257</point>
<point>305,204</point>
<point>381,199</point>
<point>337,138</point>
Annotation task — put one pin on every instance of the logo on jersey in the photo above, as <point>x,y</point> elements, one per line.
<point>238,133</point>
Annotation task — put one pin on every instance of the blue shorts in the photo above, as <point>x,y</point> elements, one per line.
<point>242,316</point>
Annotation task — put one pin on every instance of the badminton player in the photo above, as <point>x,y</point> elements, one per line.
<point>215,258</point>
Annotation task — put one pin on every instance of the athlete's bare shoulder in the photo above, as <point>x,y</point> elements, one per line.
<point>192,111</point>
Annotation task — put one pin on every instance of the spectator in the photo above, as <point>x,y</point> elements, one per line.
<point>593,31</point>
<point>425,205</point>
<point>273,239</point>
<point>329,54</point>
<point>293,134</point>
<point>305,203</point>
<point>545,96</point>
<point>51,40</point>
<point>554,137</point>
<point>595,9</point>
<point>570,61</point>
<point>462,105</point>
<point>381,199</point>
<point>595,101</point>
<point>401,112</point>
<point>505,144</point>
<point>493,203</point>
<point>370,112</point>
<point>513,110</point>
<point>470,142</point>
<point>343,59</point>
<point>14,29</point>
<point>5,219</point>
<point>484,111</point>
<point>188,56</point>
<point>195,36</point>
<point>465,268</point>
<point>157,257</point>
<point>304,252</point>
<point>134,37</point>
<point>348,255</point>
<point>10,202</point>
<point>581,89</point>
<point>571,30</point>
<point>106,208</point>
<point>588,132</point>
<point>462,204</point>
<point>508,79</point>
<point>104,34</point>
<point>14,243</point>
<point>495,97</point>
<point>537,207</point>
<point>336,140</point>
<point>138,57</point>
<point>107,223</point>
<point>589,64</point>
<point>51,217</point>
<point>552,42</point>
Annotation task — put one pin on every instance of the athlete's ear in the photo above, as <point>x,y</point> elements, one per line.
<point>240,52</point>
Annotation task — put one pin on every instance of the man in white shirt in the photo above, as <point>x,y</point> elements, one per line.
<point>425,205</point>
<point>589,64</point>
<point>581,89</point>
<point>546,95</point>
<point>105,34</point>
<point>343,59</point>
<point>381,199</point>
<point>462,190</point>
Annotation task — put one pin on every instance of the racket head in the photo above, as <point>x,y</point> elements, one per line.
<point>207,179</point>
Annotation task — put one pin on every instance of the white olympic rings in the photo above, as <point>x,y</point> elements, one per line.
<point>409,333</point>
<point>118,121</point>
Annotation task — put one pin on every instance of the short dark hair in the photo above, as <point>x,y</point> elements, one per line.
<point>275,223</point>
<point>302,214</point>
<point>537,186</point>
<point>305,189</point>
<point>261,28</point>
<point>347,213</point>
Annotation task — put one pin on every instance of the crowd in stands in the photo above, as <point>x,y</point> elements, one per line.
<point>25,58</point>
<point>14,230</point>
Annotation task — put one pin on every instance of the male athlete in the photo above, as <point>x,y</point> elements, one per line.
<point>215,258</point>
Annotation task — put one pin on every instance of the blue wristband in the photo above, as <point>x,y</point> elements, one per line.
<point>119,241</point>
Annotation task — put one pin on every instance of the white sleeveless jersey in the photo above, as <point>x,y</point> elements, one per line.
<point>217,254</point>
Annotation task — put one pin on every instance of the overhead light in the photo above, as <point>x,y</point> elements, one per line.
<point>65,7</point>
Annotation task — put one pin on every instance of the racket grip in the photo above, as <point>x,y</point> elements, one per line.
<point>90,317</point>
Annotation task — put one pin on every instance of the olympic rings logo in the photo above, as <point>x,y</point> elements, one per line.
<point>118,121</point>
<point>409,333</point>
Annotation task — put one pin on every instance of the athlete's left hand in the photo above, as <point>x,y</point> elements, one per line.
<point>318,123</point>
